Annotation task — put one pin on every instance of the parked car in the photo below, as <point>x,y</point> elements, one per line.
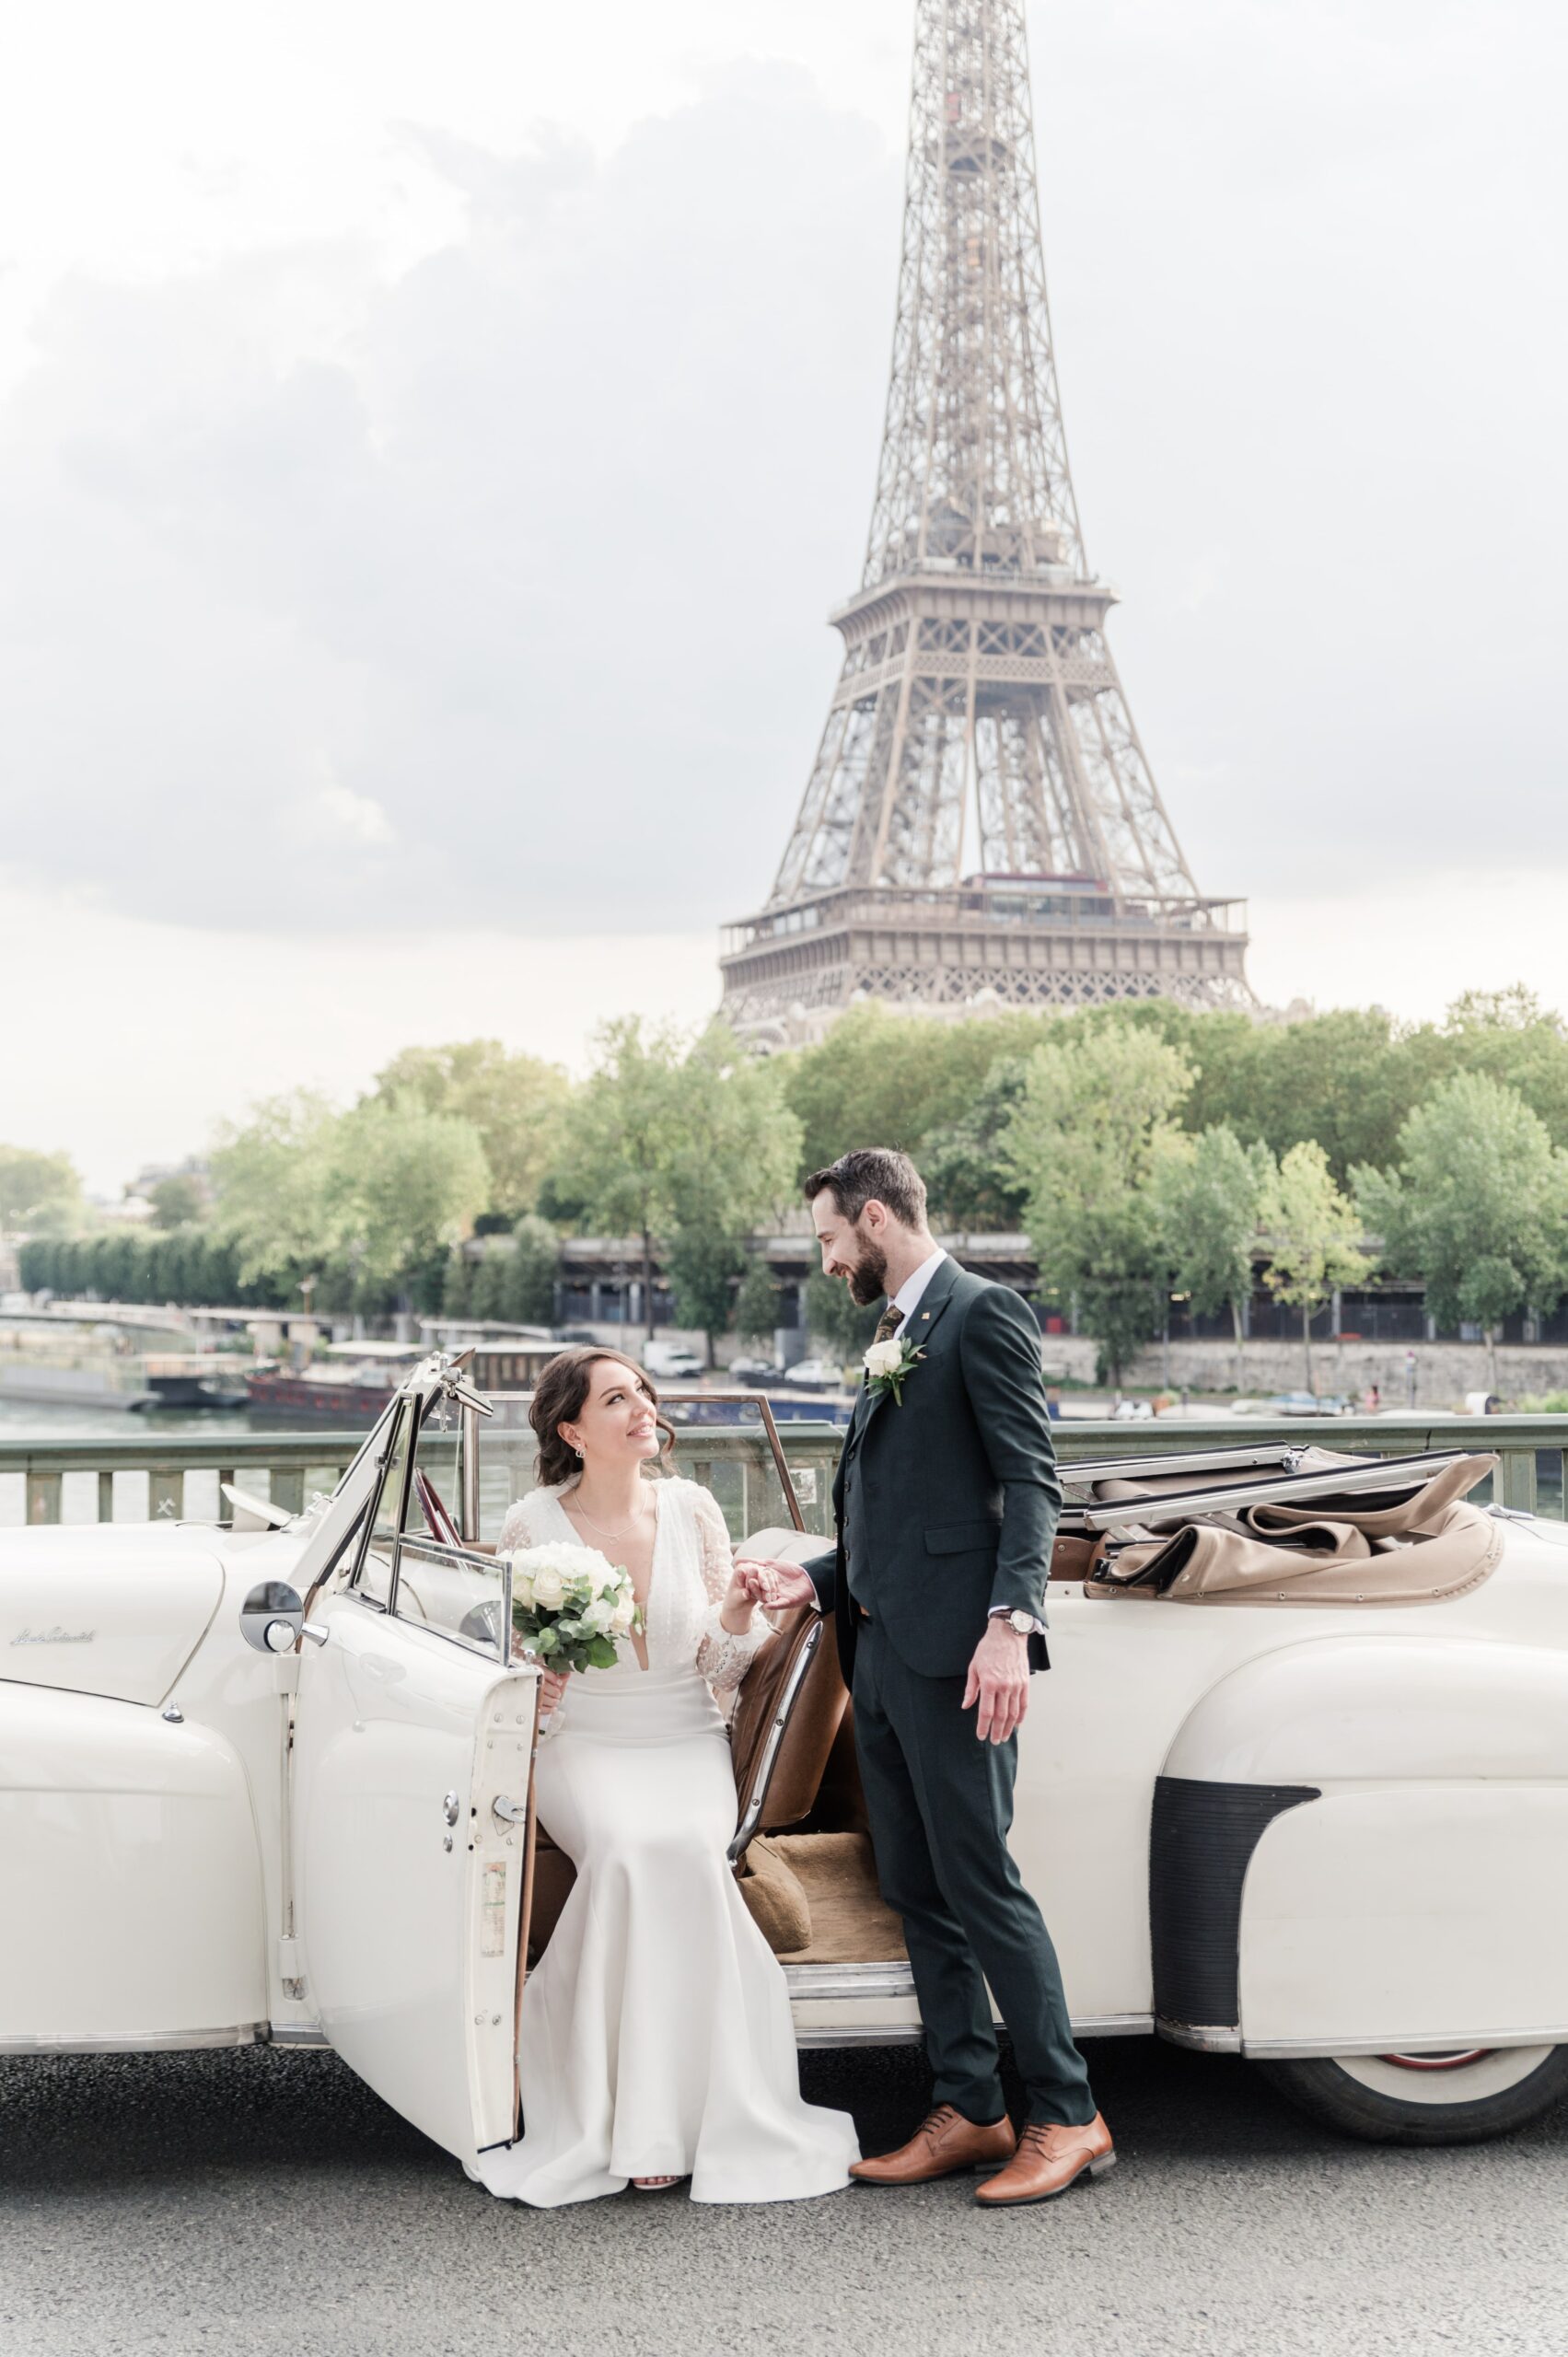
<point>670,1361</point>
<point>815,1375</point>
<point>270,1780</point>
<point>755,1371</point>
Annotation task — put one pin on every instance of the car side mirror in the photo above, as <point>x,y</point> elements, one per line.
<point>272,1619</point>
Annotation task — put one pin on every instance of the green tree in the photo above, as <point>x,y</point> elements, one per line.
<point>757,1302</point>
<point>531,1271</point>
<point>301,1187</point>
<point>702,1265</point>
<point>687,1143</point>
<point>457,1286</point>
<point>1211,1197</point>
<point>1313,1237</point>
<point>491,1286</point>
<point>735,1168</point>
<point>961,1162</point>
<point>178,1201</point>
<point>623,1137</point>
<point>1086,1143</point>
<point>401,1179</point>
<point>1477,1206</point>
<point>886,1079</point>
<point>516,1103</point>
<point>269,1177</point>
<point>38,1191</point>
<point>831,1314</point>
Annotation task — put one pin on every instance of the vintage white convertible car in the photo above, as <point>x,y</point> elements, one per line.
<point>1295,1788</point>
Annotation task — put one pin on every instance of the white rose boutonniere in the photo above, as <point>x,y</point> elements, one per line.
<point>889,1366</point>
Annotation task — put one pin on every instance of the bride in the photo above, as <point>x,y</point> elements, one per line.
<point>655,2041</point>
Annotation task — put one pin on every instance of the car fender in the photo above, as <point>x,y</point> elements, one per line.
<point>1352,1848</point>
<point>130,1867</point>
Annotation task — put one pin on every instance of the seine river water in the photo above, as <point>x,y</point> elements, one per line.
<point>24,1419</point>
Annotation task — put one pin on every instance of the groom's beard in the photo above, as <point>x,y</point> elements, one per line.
<point>868,1278</point>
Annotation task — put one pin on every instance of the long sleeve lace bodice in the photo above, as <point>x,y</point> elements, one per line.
<point>693,1560</point>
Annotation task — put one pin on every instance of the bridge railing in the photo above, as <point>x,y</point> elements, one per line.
<point>167,1476</point>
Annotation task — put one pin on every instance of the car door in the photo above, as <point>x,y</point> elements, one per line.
<point>411,1822</point>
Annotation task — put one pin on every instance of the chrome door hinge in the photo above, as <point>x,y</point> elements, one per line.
<point>289,1972</point>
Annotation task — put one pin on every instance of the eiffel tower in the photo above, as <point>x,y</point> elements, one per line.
<point>981,828</point>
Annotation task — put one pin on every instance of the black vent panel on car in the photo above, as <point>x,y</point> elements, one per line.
<point>1200,1844</point>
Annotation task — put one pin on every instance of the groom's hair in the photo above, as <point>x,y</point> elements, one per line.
<point>873,1174</point>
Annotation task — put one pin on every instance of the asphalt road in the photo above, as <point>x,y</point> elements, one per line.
<point>260,2204</point>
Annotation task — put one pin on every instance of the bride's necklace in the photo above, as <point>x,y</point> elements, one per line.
<point>603,1528</point>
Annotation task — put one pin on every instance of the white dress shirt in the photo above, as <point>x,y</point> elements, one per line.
<point>908,1298</point>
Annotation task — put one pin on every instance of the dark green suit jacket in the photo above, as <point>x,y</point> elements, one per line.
<point>946,1504</point>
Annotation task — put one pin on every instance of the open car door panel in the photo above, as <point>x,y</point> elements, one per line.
<point>411,1832</point>
<point>788,1710</point>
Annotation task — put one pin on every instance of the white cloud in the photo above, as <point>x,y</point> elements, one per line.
<point>336,816</point>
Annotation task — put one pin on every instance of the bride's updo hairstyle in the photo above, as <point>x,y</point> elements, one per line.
<point>557,1399</point>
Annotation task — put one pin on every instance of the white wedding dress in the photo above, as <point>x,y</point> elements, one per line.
<point>655,2037</point>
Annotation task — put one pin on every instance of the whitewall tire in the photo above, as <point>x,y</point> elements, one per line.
<point>1462,2097</point>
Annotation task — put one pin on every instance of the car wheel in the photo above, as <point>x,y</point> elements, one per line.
<point>1462,2097</point>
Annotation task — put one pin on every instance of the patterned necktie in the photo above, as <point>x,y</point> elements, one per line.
<point>887,1324</point>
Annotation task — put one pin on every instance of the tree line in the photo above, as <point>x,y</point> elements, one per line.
<point>1143,1150</point>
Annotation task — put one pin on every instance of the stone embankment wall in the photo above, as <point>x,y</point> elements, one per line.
<point>1444,1371</point>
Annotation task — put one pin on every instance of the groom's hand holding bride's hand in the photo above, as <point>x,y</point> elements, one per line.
<point>772,1584</point>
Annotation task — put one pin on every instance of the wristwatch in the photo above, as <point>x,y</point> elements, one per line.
<point>1021,1623</point>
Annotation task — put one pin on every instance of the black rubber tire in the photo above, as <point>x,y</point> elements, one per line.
<point>1326,2091</point>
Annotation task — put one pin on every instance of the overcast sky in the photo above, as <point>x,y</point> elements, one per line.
<point>430,442</point>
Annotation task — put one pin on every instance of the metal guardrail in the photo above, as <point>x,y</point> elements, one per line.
<point>1529,1477</point>
<point>281,1461</point>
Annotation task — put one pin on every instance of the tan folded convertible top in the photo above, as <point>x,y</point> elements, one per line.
<point>1416,1544</point>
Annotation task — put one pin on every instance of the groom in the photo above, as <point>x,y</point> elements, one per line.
<point>945,1501</point>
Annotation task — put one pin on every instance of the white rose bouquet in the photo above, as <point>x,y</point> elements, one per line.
<point>570,1604</point>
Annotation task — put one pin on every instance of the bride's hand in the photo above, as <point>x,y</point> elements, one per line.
<point>735,1612</point>
<point>551,1687</point>
<point>774,1584</point>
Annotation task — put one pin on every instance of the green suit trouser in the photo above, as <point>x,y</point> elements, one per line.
<point>941,1805</point>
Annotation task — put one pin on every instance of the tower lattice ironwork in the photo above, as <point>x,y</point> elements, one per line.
<point>982,824</point>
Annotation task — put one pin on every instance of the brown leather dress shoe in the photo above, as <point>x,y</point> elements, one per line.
<point>1049,2159</point>
<point>942,2145</point>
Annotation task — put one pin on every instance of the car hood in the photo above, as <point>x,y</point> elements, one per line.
<point>106,1608</point>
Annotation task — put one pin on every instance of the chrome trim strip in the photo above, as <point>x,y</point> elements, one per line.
<point>307,2035</point>
<point>1076,1469</point>
<point>857,1983</point>
<point>1213,2038</point>
<point>822,2034</point>
<point>754,1816</point>
<point>163,2041</point>
<point>1288,2050</point>
<point>892,2034</point>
